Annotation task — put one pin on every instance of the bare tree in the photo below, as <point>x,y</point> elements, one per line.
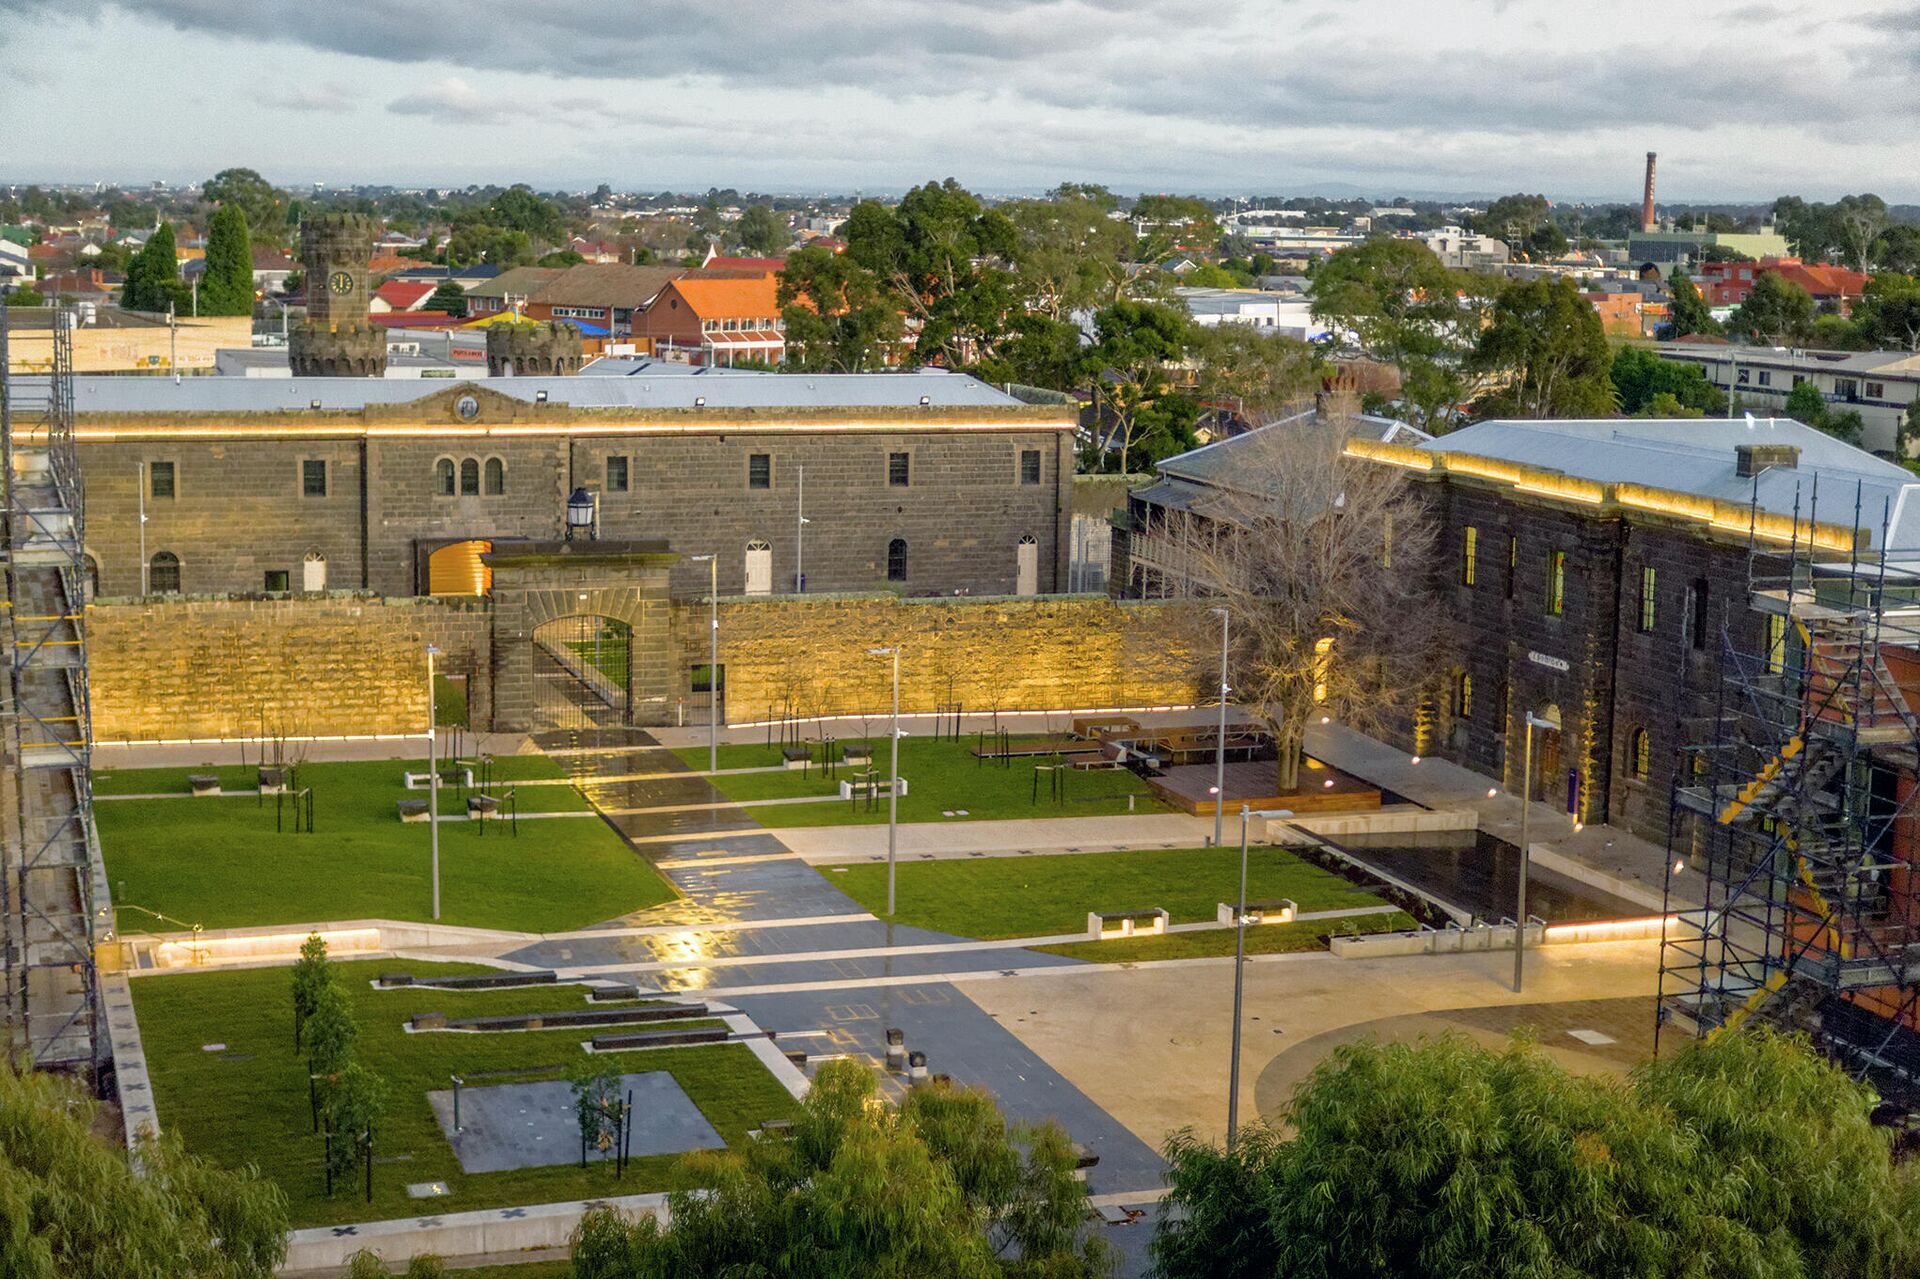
<point>1324,562</point>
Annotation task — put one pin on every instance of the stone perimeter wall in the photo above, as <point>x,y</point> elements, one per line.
<point>324,666</point>
<point>1006,653</point>
<point>348,664</point>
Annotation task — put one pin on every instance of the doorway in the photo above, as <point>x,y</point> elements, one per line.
<point>582,672</point>
<point>1548,778</point>
<point>1028,561</point>
<point>759,567</point>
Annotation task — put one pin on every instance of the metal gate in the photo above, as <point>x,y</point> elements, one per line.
<point>583,672</point>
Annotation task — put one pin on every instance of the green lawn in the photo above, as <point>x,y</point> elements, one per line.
<point>1267,939</point>
<point>218,862</point>
<point>942,777</point>
<point>247,1103</point>
<point>1048,894</point>
<point>609,656</point>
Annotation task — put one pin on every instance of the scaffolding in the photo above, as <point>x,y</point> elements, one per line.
<point>1797,805</point>
<point>52,1012</point>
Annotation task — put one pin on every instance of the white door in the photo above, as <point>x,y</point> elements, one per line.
<point>313,573</point>
<point>1029,556</point>
<point>759,568</point>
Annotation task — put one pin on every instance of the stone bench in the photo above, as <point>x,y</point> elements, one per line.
<point>601,994</point>
<point>1281,911</point>
<point>660,1039</point>
<point>1113,924</point>
<point>859,756</point>
<point>483,807</point>
<point>203,783</point>
<point>456,777</point>
<point>849,790</point>
<point>411,810</point>
<point>796,758</point>
<point>273,781</point>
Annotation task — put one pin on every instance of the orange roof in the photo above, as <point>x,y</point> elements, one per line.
<point>382,263</point>
<point>730,296</point>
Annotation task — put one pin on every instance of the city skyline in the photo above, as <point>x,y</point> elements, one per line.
<point>1455,99</point>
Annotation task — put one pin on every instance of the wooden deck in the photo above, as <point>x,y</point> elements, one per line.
<point>1188,788</point>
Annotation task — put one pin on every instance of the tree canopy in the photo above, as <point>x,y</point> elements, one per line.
<point>937,1186</point>
<point>1688,312</point>
<point>1777,311</point>
<point>74,1207</point>
<point>1646,385</point>
<point>153,276</point>
<point>1743,1157</point>
<point>1402,307</point>
<point>1546,353</point>
<point>263,204</point>
<point>839,316</point>
<point>227,286</point>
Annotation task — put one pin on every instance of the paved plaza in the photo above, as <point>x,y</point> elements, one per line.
<point>505,1126</point>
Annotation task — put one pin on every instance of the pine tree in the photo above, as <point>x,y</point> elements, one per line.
<point>153,277</point>
<point>227,286</point>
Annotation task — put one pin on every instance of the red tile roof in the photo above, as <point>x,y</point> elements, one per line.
<point>717,263</point>
<point>404,295</point>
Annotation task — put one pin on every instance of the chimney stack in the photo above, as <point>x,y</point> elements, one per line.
<point>1646,200</point>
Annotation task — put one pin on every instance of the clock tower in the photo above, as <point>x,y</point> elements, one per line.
<point>337,339</point>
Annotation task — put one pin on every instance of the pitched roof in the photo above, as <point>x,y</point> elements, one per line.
<point>605,284</point>
<point>404,295</point>
<point>520,281</point>
<point>729,295</point>
<point>718,263</point>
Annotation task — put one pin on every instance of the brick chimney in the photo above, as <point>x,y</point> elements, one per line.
<point>1646,199</point>
<point>1751,459</point>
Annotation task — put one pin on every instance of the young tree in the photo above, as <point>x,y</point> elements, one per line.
<point>596,1105</point>
<point>330,1032</point>
<point>1546,353</point>
<point>1743,1157</point>
<point>227,286</point>
<point>1322,560</point>
<point>449,298</point>
<point>311,975</point>
<point>354,1105</point>
<point>1688,313</point>
<point>936,1187</point>
<point>76,1206</point>
<point>1137,341</point>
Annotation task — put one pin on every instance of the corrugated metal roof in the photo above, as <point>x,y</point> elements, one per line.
<point>98,394</point>
<point>1209,463</point>
<point>1696,456</point>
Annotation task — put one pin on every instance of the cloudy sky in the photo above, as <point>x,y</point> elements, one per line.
<point>1741,99</point>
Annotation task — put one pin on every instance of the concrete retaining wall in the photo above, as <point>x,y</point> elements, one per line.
<point>457,1234</point>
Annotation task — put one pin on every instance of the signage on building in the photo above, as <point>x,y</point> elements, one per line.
<point>1551,663</point>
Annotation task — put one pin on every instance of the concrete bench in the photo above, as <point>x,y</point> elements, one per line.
<point>456,777</point>
<point>203,783</point>
<point>659,1039</point>
<point>1083,1160</point>
<point>796,758</point>
<point>481,807</point>
<point>849,790</point>
<point>273,781</point>
<point>601,994</point>
<point>1273,912</point>
<point>859,756</point>
<point>1114,924</point>
<point>411,810</point>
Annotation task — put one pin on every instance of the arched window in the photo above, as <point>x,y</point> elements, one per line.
<point>1463,696</point>
<point>496,477</point>
<point>897,560</point>
<point>470,478</point>
<point>443,477</point>
<point>163,574</point>
<point>90,577</point>
<point>1642,747</point>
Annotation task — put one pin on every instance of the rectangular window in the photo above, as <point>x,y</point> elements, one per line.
<point>1556,583</point>
<point>1513,565</point>
<point>1744,376</point>
<point>313,477</point>
<point>703,681</point>
<point>1776,644</point>
<point>760,470</point>
<point>1029,466</point>
<point>159,479</point>
<point>1469,555</point>
<point>1876,390</point>
<point>616,475</point>
<point>278,580</point>
<point>1846,388</point>
<point>897,470</point>
<point>1766,378</point>
<point>1798,378</point>
<point>1649,598</point>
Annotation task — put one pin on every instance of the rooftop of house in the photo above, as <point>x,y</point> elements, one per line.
<point>401,295</point>
<point>729,296</point>
<point>519,281</point>
<point>1700,457</point>
<point>928,388</point>
<point>605,284</point>
<point>1901,364</point>
<point>1194,479</point>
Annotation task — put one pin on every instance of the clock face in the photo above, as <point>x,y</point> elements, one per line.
<point>340,282</point>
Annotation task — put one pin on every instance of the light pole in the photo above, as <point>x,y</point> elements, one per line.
<point>1239,974</point>
<point>713,660</point>
<point>800,531</point>
<point>893,781</point>
<point>433,785</point>
<point>1220,743</point>
<point>1526,805</point>
<point>140,473</point>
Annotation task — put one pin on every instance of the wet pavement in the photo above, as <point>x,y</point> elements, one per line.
<point>833,987</point>
<point>1480,873</point>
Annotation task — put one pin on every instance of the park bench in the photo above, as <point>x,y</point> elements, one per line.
<point>1083,1160</point>
<point>480,807</point>
<point>1281,911</point>
<point>600,994</point>
<point>1112,924</point>
<point>411,810</point>
<point>660,1038</point>
<point>859,756</point>
<point>204,783</point>
<point>796,758</point>
<point>460,777</point>
<point>861,787</point>
<point>273,781</point>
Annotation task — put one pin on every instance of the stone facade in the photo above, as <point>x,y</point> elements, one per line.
<point>533,348</point>
<point>336,339</point>
<point>241,507</point>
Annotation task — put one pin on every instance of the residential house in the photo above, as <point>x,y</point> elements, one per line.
<point>1727,284</point>
<point>716,320</point>
<point>401,295</point>
<point>1881,386</point>
<point>599,298</point>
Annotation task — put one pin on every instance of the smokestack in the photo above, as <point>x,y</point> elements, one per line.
<point>1646,200</point>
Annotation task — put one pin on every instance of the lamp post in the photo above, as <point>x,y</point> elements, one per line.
<point>1239,973</point>
<point>800,531</point>
<point>893,781</point>
<point>433,785</point>
<point>1220,743</point>
<point>1526,805</point>
<point>583,510</point>
<point>713,660</point>
<point>140,473</point>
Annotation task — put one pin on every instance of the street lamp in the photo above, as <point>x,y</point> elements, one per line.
<point>433,785</point>
<point>583,509</point>
<point>713,660</point>
<point>1239,971</point>
<point>1220,743</point>
<point>893,781</point>
<point>1526,805</point>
